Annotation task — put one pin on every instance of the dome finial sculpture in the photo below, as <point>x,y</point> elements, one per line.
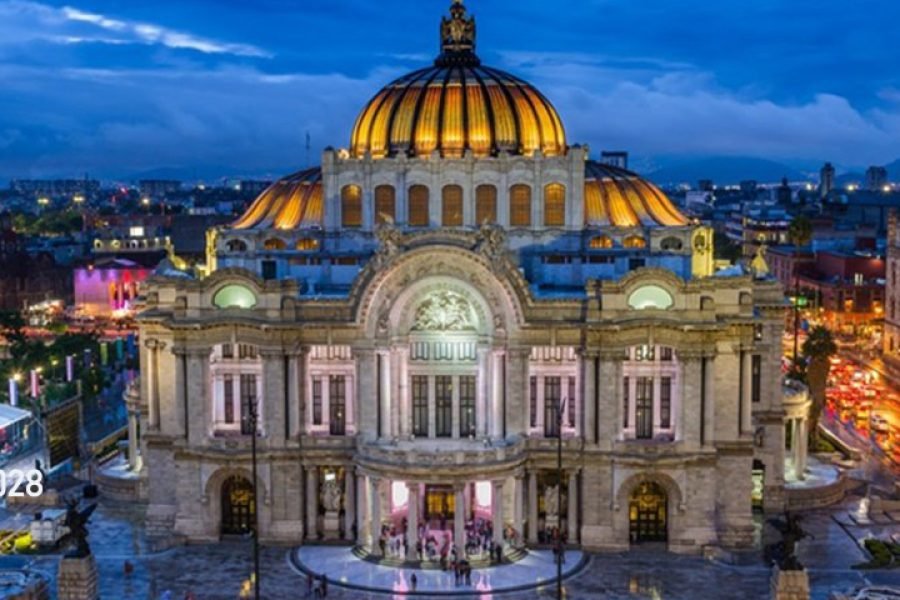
<point>457,37</point>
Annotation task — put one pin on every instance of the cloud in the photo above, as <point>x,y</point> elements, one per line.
<point>23,21</point>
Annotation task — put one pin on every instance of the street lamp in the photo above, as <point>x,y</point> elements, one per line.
<point>559,547</point>
<point>253,428</point>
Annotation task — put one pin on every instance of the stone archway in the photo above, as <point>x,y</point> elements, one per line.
<point>216,489</point>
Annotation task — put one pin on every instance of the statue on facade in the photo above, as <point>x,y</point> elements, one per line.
<point>331,496</point>
<point>783,553</point>
<point>76,522</point>
<point>490,241</point>
<point>551,502</point>
<point>389,240</point>
<point>758,265</point>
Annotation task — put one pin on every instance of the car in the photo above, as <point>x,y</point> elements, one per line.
<point>879,423</point>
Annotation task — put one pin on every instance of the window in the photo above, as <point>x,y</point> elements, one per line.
<point>443,405</point>
<point>665,353</point>
<point>385,204</point>
<point>420,405</point>
<point>466,405</point>
<point>452,206</point>
<point>269,270</point>
<point>236,246</point>
<point>570,409</point>
<point>485,204</point>
<point>533,402</point>
<point>317,400</point>
<point>227,351</point>
<point>520,206</point>
<point>601,242</point>
<point>555,205</point>
<point>247,351</point>
<point>307,244</point>
<point>248,400</point>
<point>274,244</point>
<point>235,296</point>
<point>650,296</point>
<point>229,398</point>
<point>351,206</point>
<point>552,399</point>
<point>626,405</point>
<point>755,378</point>
<point>643,415</point>
<point>634,241</point>
<point>337,404</point>
<point>418,206</point>
<point>665,403</point>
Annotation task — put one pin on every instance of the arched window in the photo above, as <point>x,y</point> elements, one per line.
<point>485,204</point>
<point>274,244</point>
<point>385,204</point>
<point>351,206</point>
<point>634,241</point>
<point>520,206</point>
<point>601,242</point>
<point>672,244</point>
<point>307,244</point>
<point>418,206</point>
<point>554,205</point>
<point>452,206</point>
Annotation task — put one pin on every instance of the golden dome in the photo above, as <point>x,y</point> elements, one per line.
<point>292,202</point>
<point>619,198</point>
<point>458,105</point>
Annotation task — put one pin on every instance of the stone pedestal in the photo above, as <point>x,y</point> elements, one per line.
<point>790,585</point>
<point>331,523</point>
<point>77,579</point>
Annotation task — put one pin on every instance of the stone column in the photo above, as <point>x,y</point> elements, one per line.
<point>375,514</point>
<point>312,502</point>
<point>746,391</point>
<point>153,348</point>
<point>572,508</point>
<point>412,521</point>
<point>362,502</point>
<point>459,519</point>
<point>384,396</point>
<point>800,452</point>
<point>589,396</point>
<point>517,379</point>
<point>366,393</point>
<point>176,414</point>
<point>272,416</point>
<point>482,393</point>
<point>132,405</point>
<point>687,426</point>
<point>349,502</point>
<point>497,510</point>
<point>532,508</point>
<point>403,386</point>
<point>496,398</point>
<point>609,388</point>
<point>467,501</point>
<point>709,418</point>
<point>519,505</point>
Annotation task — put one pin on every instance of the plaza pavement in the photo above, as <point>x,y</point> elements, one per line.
<point>214,572</point>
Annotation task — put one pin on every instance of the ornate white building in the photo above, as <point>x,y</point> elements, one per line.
<point>409,317</point>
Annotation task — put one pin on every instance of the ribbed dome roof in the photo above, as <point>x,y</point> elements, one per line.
<point>458,105</point>
<point>619,198</point>
<point>291,202</point>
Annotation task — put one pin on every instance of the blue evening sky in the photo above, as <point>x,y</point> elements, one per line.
<point>116,88</point>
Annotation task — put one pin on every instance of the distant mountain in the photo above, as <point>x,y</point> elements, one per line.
<point>211,174</point>
<point>724,170</point>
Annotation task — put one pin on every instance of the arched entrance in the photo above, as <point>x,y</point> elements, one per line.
<point>237,505</point>
<point>648,516</point>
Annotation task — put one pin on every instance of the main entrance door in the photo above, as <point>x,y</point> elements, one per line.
<point>648,513</point>
<point>440,503</point>
<point>237,505</point>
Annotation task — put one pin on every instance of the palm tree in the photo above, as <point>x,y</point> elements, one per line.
<point>818,349</point>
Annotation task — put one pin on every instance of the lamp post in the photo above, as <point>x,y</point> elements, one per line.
<point>559,547</point>
<point>253,421</point>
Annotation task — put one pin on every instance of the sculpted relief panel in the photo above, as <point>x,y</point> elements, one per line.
<point>444,311</point>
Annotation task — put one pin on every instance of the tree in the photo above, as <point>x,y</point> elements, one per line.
<point>818,349</point>
<point>800,231</point>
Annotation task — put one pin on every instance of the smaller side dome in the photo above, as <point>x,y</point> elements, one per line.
<point>293,202</point>
<point>619,198</point>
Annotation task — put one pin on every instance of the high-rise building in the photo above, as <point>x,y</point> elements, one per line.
<point>614,158</point>
<point>876,178</point>
<point>826,180</point>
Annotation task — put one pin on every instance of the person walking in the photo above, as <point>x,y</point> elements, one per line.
<point>413,582</point>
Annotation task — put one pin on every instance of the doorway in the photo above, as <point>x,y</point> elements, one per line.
<point>648,513</point>
<point>440,503</point>
<point>237,506</point>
